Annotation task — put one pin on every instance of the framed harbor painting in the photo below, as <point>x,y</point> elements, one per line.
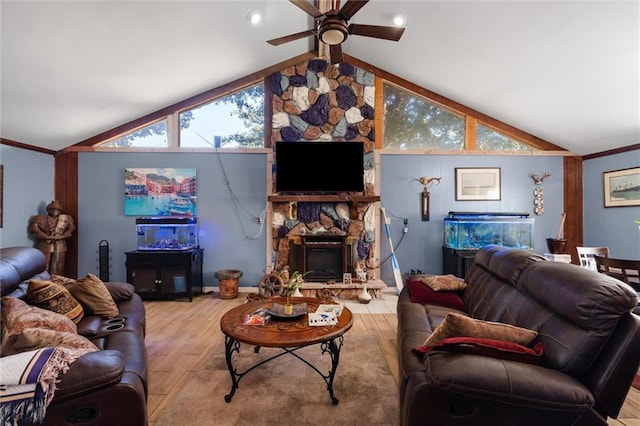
<point>477,184</point>
<point>622,187</point>
<point>160,192</point>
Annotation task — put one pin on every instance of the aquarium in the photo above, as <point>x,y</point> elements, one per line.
<point>469,230</point>
<point>167,233</point>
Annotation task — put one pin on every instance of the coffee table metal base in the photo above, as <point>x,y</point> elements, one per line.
<point>330,346</point>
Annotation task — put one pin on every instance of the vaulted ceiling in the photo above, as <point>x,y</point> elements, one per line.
<point>565,71</point>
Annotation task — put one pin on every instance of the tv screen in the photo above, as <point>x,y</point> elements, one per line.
<point>326,167</point>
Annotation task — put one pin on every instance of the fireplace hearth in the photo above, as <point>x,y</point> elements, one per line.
<point>323,257</point>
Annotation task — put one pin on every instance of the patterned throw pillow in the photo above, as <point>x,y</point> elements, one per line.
<point>18,315</point>
<point>458,325</point>
<point>56,298</point>
<point>447,282</point>
<point>35,338</point>
<point>94,296</point>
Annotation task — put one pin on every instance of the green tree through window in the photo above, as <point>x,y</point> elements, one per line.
<point>411,122</point>
<point>238,119</point>
<point>492,140</point>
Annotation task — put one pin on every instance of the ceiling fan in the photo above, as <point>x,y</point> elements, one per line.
<point>333,28</point>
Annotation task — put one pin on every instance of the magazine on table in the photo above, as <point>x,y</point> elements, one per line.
<point>257,317</point>
<point>324,318</point>
<point>327,308</point>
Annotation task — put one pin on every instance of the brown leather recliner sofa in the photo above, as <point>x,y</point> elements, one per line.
<point>584,320</point>
<point>107,387</point>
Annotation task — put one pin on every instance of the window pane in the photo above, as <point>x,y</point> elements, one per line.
<point>236,120</point>
<point>411,122</point>
<point>492,140</point>
<point>151,136</point>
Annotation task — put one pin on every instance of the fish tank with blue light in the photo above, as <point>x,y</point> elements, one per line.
<point>167,233</point>
<point>472,230</point>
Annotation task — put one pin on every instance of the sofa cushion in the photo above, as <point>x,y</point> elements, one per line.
<point>35,338</point>
<point>94,296</point>
<point>487,347</point>
<point>457,325</point>
<point>56,298</point>
<point>18,315</point>
<point>425,295</point>
<point>447,282</point>
<point>120,291</point>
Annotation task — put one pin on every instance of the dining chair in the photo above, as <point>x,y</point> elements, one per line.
<point>585,255</point>
<point>627,271</point>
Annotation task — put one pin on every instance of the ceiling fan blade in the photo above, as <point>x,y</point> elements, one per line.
<point>377,31</point>
<point>335,54</point>
<point>308,7</point>
<point>286,39</point>
<point>351,7</point>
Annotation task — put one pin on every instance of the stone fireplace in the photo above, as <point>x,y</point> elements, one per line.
<point>327,234</point>
<point>323,257</point>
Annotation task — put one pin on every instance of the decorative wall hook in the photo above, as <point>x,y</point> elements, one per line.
<point>538,193</point>
<point>537,179</point>
<point>427,181</point>
<point>425,194</point>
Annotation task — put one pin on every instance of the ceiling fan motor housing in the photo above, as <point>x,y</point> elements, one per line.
<point>333,30</point>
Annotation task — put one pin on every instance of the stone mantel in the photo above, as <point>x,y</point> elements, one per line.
<point>327,198</point>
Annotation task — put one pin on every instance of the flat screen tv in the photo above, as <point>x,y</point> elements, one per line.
<point>319,167</point>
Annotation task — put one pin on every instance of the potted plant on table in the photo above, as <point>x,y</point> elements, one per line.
<point>292,285</point>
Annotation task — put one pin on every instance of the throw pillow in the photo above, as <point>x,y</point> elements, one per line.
<point>488,347</point>
<point>425,295</point>
<point>447,282</point>
<point>56,298</point>
<point>59,279</point>
<point>458,325</point>
<point>18,315</point>
<point>94,296</point>
<point>36,338</point>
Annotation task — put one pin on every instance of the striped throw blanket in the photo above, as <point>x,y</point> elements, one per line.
<point>28,382</point>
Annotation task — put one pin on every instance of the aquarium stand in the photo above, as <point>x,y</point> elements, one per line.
<point>457,262</point>
<point>165,274</point>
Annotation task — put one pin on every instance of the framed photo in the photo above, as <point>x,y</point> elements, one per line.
<point>622,187</point>
<point>477,184</point>
<point>160,192</point>
<point>346,278</point>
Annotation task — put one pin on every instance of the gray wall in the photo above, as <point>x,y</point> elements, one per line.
<point>28,188</point>
<point>613,227</point>
<point>421,247</point>
<point>226,246</point>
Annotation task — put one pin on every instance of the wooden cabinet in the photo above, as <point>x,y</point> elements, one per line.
<point>165,274</point>
<point>457,262</point>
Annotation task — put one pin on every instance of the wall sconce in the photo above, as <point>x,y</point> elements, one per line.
<point>425,194</point>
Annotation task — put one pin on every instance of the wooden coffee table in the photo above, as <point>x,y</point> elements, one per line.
<point>288,334</point>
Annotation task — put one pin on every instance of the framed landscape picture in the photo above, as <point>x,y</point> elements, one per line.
<point>622,187</point>
<point>160,192</point>
<point>477,184</point>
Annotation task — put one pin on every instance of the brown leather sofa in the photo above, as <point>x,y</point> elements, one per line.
<point>107,387</point>
<point>590,338</point>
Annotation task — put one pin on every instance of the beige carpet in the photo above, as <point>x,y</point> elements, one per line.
<point>286,391</point>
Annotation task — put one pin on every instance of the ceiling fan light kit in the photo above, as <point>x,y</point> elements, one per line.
<point>332,28</point>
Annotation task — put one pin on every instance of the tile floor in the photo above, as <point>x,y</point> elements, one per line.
<point>386,305</point>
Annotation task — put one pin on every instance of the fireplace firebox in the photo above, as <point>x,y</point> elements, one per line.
<point>322,257</point>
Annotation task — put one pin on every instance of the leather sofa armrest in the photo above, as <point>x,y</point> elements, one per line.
<point>89,326</point>
<point>91,371</point>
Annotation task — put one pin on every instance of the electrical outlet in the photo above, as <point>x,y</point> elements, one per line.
<point>259,220</point>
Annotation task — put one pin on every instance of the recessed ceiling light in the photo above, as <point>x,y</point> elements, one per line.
<point>254,17</point>
<point>399,20</point>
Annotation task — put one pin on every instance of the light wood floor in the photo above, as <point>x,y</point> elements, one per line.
<point>181,335</point>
